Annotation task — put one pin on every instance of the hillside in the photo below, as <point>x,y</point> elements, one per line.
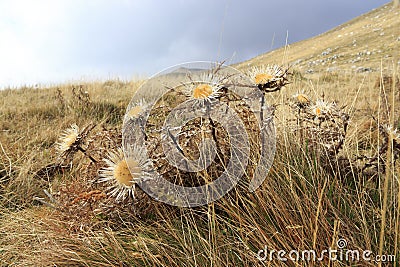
<point>359,44</point>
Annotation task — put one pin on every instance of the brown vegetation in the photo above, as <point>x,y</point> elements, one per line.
<point>335,175</point>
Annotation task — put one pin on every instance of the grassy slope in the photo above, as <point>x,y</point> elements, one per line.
<point>376,32</point>
<point>300,206</point>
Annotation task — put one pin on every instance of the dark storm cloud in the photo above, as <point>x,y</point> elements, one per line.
<point>145,37</point>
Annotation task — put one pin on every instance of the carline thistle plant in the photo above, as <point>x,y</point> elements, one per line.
<point>69,141</point>
<point>123,171</point>
<point>268,78</point>
<point>321,124</point>
<point>138,110</point>
<point>204,92</point>
<point>72,140</point>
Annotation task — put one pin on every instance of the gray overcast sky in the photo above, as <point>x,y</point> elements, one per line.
<point>54,41</point>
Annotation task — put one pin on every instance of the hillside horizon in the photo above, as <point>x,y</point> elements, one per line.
<point>359,44</point>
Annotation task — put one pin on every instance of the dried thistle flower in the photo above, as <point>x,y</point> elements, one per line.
<point>392,133</point>
<point>68,141</point>
<point>321,108</point>
<point>137,110</point>
<point>268,78</point>
<point>204,91</point>
<point>301,100</point>
<point>122,173</point>
<point>71,141</point>
<point>323,124</point>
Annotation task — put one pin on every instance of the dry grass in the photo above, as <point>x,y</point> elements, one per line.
<point>306,202</point>
<point>303,204</point>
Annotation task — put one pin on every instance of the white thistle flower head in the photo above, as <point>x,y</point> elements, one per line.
<point>122,173</point>
<point>68,140</point>
<point>206,90</point>
<point>265,74</point>
<point>392,132</point>
<point>138,109</point>
<point>301,99</point>
<point>321,108</point>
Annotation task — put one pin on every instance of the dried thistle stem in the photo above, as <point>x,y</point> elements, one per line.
<point>86,154</point>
